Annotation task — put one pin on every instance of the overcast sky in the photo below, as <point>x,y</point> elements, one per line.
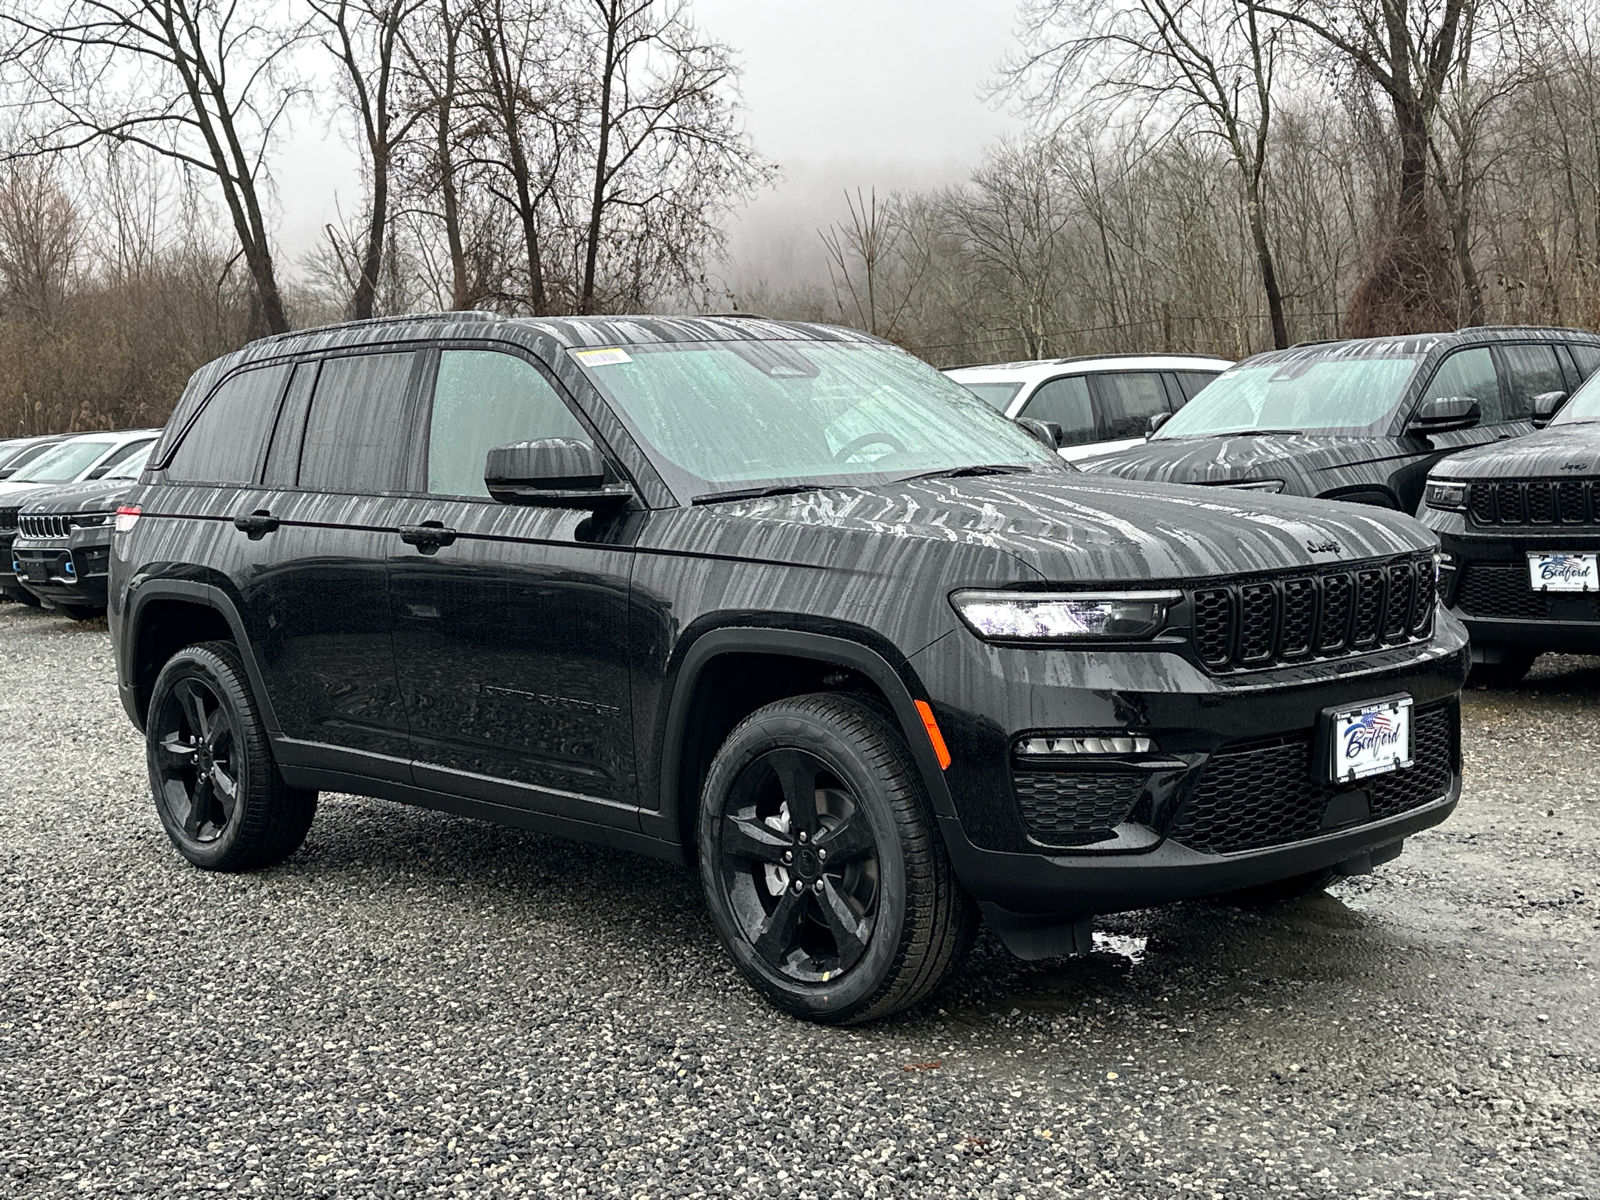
<point>841,93</point>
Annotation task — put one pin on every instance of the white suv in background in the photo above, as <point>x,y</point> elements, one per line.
<point>1103,403</point>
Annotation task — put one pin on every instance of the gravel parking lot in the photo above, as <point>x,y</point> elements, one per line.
<point>418,1004</point>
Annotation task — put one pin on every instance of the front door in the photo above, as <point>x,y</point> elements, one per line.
<point>511,623</point>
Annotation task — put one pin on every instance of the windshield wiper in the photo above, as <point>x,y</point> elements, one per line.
<point>971,472</point>
<point>782,489</point>
<point>1255,432</point>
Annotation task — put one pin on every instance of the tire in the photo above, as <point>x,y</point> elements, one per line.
<point>1508,672</point>
<point>81,612</point>
<point>1281,890</point>
<point>203,733</point>
<point>872,932</point>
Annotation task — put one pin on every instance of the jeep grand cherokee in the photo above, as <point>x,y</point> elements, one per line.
<point>779,600</point>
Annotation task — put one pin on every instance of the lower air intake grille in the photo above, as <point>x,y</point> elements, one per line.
<point>1499,590</point>
<point>1263,794</point>
<point>1070,808</point>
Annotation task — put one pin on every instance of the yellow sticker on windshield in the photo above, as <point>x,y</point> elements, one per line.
<point>601,358</point>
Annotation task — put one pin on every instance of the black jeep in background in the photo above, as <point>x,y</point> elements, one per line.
<point>1360,420</point>
<point>776,599</point>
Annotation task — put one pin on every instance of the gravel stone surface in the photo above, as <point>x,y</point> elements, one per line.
<point>421,1005</point>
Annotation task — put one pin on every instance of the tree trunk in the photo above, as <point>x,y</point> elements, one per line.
<point>1269,271</point>
<point>598,201</point>
<point>372,260</point>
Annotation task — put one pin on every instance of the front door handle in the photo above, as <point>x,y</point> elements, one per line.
<point>428,536</point>
<point>257,524</point>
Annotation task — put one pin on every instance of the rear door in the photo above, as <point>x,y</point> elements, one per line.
<point>323,525</point>
<point>511,622</point>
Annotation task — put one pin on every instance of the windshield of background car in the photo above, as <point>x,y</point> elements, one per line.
<point>62,463</point>
<point>995,395</point>
<point>752,412</point>
<point>132,466</point>
<point>1333,395</point>
<point>1584,405</point>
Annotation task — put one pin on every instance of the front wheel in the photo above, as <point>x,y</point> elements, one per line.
<point>217,789</point>
<point>822,870</point>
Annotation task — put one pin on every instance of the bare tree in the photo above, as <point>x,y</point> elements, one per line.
<point>202,82</point>
<point>40,239</point>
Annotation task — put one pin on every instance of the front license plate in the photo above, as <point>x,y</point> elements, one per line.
<point>1561,571</point>
<point>1371,740</point>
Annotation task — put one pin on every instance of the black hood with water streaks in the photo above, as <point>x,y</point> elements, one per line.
<point>1559,452</point>
<point>100,495</point>
<point>1309,464</point>
<point>1065,528</point>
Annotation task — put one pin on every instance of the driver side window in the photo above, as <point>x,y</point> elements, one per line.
<point>1470,373</point>
<point>1066,402</point>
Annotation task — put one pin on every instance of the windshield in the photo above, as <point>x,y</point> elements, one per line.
<point>1584,405</point>
<point>1326,395</point>
<point>715,414</point>
<point>995,395</point>
<point>63,463</point>
<point>131,467</point>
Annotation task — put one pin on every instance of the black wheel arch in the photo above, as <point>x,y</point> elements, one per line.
<point>685,747</point>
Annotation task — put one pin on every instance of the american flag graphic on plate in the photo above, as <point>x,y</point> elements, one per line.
<point>1372,739</point>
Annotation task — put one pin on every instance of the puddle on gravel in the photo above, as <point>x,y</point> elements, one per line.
<point>1125,945</point>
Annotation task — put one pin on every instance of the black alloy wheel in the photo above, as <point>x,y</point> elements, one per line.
<point>821,866</point>
<point>217,789</point>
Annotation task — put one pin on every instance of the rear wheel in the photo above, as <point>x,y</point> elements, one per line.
<point>821,867</point>
<point>217,789</point>
<point>1508,672</point>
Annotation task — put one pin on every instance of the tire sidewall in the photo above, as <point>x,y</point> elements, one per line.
<point>862,982</point>
<point>197,662</point>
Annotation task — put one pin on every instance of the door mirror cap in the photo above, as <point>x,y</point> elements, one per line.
<point>1157,420</point>
<point>1544,406</point>
<point>1445,413</point>
<point>1047,432</point>
<point>552,473</point>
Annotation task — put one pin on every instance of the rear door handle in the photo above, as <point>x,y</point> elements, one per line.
<point>257,524</point>
<point>428,536</point>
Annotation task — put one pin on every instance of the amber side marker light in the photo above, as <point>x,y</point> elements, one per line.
<point>935,738</point>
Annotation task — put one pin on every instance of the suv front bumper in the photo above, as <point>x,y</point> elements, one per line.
<point>70,570</point>
<point>1488,590</point>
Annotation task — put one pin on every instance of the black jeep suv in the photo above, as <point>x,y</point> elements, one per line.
<point>777,599</point>
<point>1359,420</point>
<point>1520,524</point>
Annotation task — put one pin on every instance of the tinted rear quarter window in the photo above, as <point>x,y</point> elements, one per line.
<point>1587,356</point>
<point>358,432</point>
<point>1190,382</point>
<point>223,445</point>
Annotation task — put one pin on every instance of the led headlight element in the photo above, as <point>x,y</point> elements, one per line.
<point>1063,616</point>
<point>1447,494</point>
<point>1117,744</point>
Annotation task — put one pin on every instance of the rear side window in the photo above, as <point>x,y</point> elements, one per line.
<point>1066,402</point>
<point>1530,370</point>
<point>1128,399</point>
<point>223,444</point>
<point>1190,382</point>
<point>1470,374</point>
<point>483,399</point>
<point>1587,357</point>
<point>358,430</point>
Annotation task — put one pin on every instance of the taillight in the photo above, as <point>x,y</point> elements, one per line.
<point>126,516</point>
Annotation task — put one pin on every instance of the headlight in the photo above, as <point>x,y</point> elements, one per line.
<point>1063,616</point>
<point>1256,485</point>
<point>1447,494</point>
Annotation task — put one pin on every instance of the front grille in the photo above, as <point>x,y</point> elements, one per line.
<point>1535,502</point>
<point>1068,808</point>
<point>46,525</point>
<point>8,519</point>
<point>1330,612</point>
<point>1502,590</point>
<point>1263,794</point>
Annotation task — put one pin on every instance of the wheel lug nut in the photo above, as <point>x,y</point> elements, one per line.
<point>788,856</point>
<point>822,856</point>
<point>799,886</point>
<point>802,835</point>
<point>818,885</point>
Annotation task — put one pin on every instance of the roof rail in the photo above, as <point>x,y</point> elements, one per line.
<point>1318,342</point>
<point>1077,358</point>
<point>1520,329</point>
<point>468,314</point>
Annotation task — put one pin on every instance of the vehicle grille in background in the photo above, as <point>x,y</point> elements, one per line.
<point>1070,808</point>
<point>1327,613</point>
<point>8,519</point>
<point>47,525</point>
<point>1535,502</point>
<point>1253,796</point>
<point>1503,590</point>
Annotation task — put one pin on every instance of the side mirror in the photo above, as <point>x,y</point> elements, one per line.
<point>1157,420</point>
<point>1544,406</point>
<point>552,473</point>
<point>1445,413</point>
<point>1047,432</point>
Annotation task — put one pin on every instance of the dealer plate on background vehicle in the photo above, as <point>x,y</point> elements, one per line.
<point>1562,571</point>
<point>1371,740</point>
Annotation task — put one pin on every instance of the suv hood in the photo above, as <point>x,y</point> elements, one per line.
<point>1299,459</point>
<point>1562,451</point>
<point>100,495</point>
<point>1073,528</point>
